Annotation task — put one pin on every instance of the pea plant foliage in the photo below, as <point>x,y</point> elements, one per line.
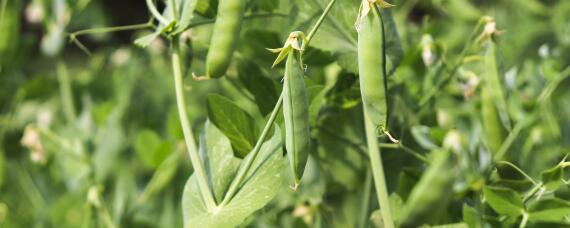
<point>286,113</point>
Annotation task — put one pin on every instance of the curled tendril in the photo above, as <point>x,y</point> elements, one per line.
<point>295,41</point>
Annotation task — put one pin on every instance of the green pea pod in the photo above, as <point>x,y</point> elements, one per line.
<point>296,116</point>
<point>431,195</point>
<point>224,37</point>
<point>372,67</point>
<point>493,105</point>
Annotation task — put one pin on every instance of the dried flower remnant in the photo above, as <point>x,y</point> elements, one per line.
<point>31,140</point>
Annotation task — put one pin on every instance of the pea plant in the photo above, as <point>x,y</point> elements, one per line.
<point>286,113</point>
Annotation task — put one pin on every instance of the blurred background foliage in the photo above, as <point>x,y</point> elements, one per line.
<point>94,140</point>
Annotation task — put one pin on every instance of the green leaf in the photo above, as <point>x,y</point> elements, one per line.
<point>552,178</point>
<point>317,100</point>
<point>261,184</point>
<point>161,177</point>
<point>422,136</point>
<point>549,210</point>
<point>150,148</point>
<point>186,13</point>
<point>234,122</point>
<point>264,90</point>
<point>146,40</point>
<point>471,217</point>
<point>503,200</point>
<point>207,8</point>
<point>430,196</point>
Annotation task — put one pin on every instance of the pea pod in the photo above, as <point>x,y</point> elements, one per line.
<point>431,194</point>
<point>372,64</point>
<point>493,105</point>
<point>224,37</point>
<point>296,116</point>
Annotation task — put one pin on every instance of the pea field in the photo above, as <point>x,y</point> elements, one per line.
<point>284,113</point>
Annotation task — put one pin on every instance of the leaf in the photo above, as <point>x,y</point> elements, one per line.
<point>150,148</point>
<point>161,177</point>
<point>431,195</point>
<point>552,178</point>
<point>503,200</point>
<point>234,122</point>
<point>207,8</point>
<point>471,217</point>
<point>186,14</point>
<point>262,182</point>
<point>549,210</point>
<point>264,90</point>
<point>146,40</point>
<point>422,136</point>
<point>317,100</point>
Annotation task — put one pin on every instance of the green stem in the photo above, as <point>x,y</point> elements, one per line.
<point>547,92</point>
<point>524,220</point>
<point>414,153</point>
<point>173,9</point>
<point>236,183</point>
<point>365,207</point>
<point>319,22</point>
<point>512,136</point>
<point>456,65</point>
<point>187,129</point>
<point>532,192</point>
<point>378,172</point>
<point>155,13</point>
<point>111,29</point>
<point>249,16</point>
<point>518,170</point>
<point>66,94</point>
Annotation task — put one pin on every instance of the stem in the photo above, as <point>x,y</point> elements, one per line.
<point>66,94</point>
<point>454,67</point>
<point>519,170</point>
<point>73,36</point>
<point>524,220</point>
<point>173,10</point>
<point>236,183</point>
<point>319,22</point>
<point>378,172</point>
<point>365,200</point>
<point>512,136</point>
<point>250,16</point>
<point>187,130</point>
<point>111,29</point>
<point>155,13</point>
<point>532,192</point>
<point>553,85</point>
<point>414,153</point>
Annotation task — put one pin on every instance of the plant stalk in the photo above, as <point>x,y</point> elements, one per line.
<point>187,129</point>
<point>66,94</point>
<point>319,22</point>
<point>236,183</point>
<point>152,8</point>
<point>378,172</point>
